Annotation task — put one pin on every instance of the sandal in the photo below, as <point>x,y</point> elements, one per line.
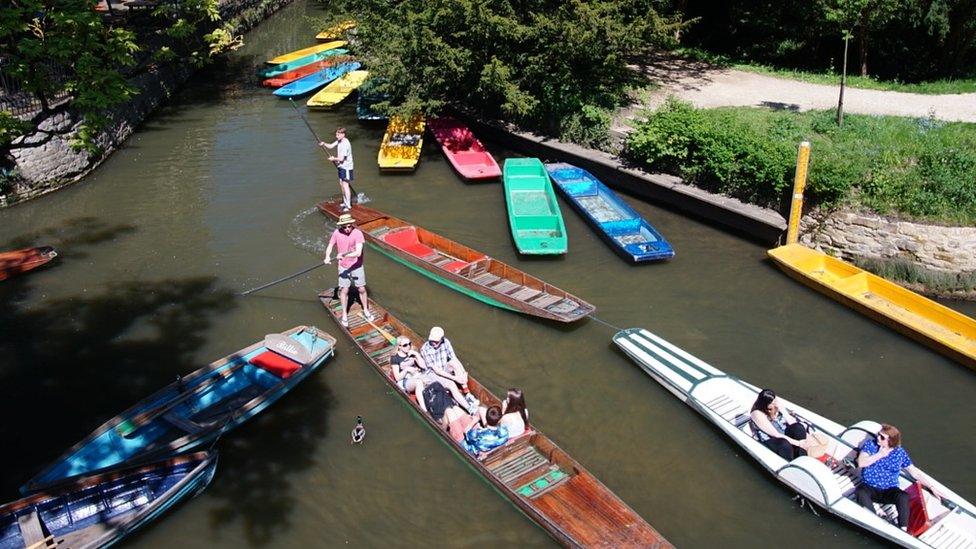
<point>344,322</point>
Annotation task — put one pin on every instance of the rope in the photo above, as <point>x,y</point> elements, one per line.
<point>605,323</point>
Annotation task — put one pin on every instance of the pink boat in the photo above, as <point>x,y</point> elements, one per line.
<point>468,156</point>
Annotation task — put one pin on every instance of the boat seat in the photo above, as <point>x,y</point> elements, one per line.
<point>182,423</point>
<point>406,239</point>
<point>454,266</point>
<point>949,532</point>
<point>728,408</point>
<point>526,294</point>
<point>485,279</point>
<point>543,300</point>
<point>32,529</point>
<point>505,286</point>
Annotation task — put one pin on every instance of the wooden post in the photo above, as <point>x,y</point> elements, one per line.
<point>843,82</point>
<point>799,183</point>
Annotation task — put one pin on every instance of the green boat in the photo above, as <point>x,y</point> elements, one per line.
<point>533,213</point>
<point>282,68</point>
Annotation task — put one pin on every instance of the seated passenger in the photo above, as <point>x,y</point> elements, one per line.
<point>458,422</point>
<point>489,436</point>
<point>776,428</point>
<point>407,365</point>
<point>515,416</point>
<point>881,460</point>
<point>440,357</point>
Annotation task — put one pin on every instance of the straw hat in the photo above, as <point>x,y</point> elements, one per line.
<point>345,219</point>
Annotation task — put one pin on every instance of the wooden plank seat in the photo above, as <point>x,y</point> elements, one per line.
<point>725,406</point>
<point>380,231</point>
<point>31,529</point>
<point>525,294</point>
<point>553,477</point>
<point>543,300</point>
<point>183,423</point>
<point>486,279</point>
<point>518,465</point>
<point>505,286</point>
<point>564,306</point>
<point>949,532</point>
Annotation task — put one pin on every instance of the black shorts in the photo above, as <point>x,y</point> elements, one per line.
<point>345,175</point>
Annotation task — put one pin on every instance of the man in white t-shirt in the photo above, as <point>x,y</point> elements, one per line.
<point>343,161</point>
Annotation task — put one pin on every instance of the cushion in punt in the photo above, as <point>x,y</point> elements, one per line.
<point>455,266</point>
<point>406,240</point>
<point>918,516</point>
<point>276,364</point>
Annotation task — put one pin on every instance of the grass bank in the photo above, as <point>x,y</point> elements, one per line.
<point>920,169</point>
<point>832,78</point>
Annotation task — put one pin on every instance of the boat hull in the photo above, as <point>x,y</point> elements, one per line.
<point>190,413</point>
<point>531,471</point>
<point>402,144</point>
<point>147,491</point>
<point>726,402</point>
<point>461,268</point>
<point>463,150</point>
<point>620,226</point>
<point>937,326</point>
<point>303,71</point>
<point>305,52</point>
<point>336,31</point>
<point>283,68</point>
<point>316,80</point>
<point>534,217</point>
<point>18,262</point>
<point>337,90</point>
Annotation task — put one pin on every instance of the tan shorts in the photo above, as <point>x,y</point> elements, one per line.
<point>346,278</point>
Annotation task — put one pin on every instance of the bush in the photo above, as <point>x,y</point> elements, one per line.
<point>589,127</point>
<point>922,169</point>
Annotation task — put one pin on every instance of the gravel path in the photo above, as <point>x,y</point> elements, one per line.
<point>707,86</point>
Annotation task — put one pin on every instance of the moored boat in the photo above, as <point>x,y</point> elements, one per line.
<point>828,481</point>
<point>337,90</point>
<point>16,262</point>
<point>99,510</point>
<point>304,52</point>
<point>315,80</point>
<point>624,229</point>
<point>301,72</point>
<point>197,408</point>
<point>461,268</point>
<point>542,480</point>
<point>533,212</point>
<point>282,68</point>
<point>941,328</point>
<point>336,31</point>
<point>368,96</point>
<point>463,150</point>
<point>402,143</point>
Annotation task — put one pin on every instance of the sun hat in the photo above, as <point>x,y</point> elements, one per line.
<point>436,334</point>
<point>345,219</point>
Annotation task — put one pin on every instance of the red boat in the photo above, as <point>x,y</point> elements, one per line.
<point>468,156</point>
<point>305,70</point>
<point>20,261</point>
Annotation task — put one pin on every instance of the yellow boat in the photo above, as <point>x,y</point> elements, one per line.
<point>336,31</point>
<point>307,51</point>
<point>337,90</point>
<point>920,318</point>
<point>400,149</point>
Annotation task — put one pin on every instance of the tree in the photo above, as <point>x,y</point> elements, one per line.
<point>864,15</point>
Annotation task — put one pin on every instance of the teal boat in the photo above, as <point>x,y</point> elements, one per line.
<point>533,213</point>
<point>282,68</point>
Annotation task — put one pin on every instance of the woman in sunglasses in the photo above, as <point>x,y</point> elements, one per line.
<point>776,428</point>
<point>881,460</point>
<point>412,374</point>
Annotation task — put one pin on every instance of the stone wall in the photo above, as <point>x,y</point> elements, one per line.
<point>45,161</point>
<point>858,236</point>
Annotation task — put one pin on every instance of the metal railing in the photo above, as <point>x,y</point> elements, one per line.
<point>23,103</point>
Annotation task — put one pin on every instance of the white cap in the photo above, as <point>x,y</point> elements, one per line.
<point>436,334</point>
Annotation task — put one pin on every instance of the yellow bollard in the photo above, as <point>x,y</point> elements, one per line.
<point>799,183</point>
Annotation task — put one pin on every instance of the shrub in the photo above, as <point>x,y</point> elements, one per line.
<point>589,127</point>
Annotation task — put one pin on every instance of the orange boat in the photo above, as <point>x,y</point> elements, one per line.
<point>303,71</point>
<point>20,261</point>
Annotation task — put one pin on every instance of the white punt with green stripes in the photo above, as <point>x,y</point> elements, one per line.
<point>726,400</point>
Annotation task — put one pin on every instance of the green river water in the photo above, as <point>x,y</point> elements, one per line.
<point>214,195</point>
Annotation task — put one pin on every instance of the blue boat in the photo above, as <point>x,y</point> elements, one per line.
<point>100,510</point>
<point>315,80</point>
<point>198,408</point>
<point>365,101</point>
<point>282,68</point>
<point>626,231</point>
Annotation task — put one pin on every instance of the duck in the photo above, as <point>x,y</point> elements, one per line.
<point>359,431</point>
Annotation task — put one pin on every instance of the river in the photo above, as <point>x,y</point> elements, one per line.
<point>214,194</point>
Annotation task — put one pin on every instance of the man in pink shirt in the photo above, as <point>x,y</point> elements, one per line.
<point>348,241</point>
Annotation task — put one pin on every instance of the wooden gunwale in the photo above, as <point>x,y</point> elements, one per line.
<point>588,516</point>
<point>176,444</point>
<point>917,333</point>
<point>370,220</point>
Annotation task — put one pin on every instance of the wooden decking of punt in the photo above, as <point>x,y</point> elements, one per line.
<point>462,268</point>
<point>548,485</point>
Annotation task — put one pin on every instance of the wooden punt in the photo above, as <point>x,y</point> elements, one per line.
<point>282,68</point>
<point>402,142</point>
<point>461,268</point>
<point>826,481</point>
<point>301,72</point>
<point>197,408</point>
<point>100,510</point>
<point>463,150</point>
<point>337,90</point>
<point>304,52</point>
<point>336,31</point>
<point>18,262</point>
<point>941,328</point>
<point>542,480</point>
<point>315,80</point>
<point>533,212</point>
<point>629,234</point>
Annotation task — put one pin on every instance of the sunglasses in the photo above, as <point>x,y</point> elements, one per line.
<point>882,436</point>
<point>435,343</point>
<point>407,344</point>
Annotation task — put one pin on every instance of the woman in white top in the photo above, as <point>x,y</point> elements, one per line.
<point>515,416</point>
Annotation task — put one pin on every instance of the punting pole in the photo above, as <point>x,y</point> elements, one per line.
<point>799,183</point>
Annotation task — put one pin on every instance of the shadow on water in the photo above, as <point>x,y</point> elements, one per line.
<point>81,231</point>
<point>78,361</point>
